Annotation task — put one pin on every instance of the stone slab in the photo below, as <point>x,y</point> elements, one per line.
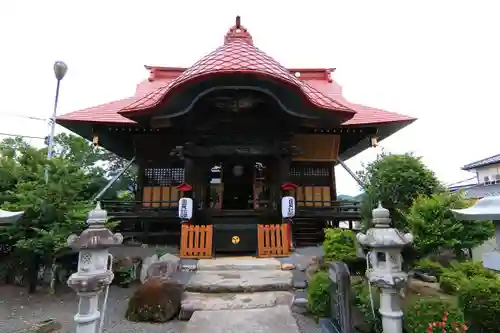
<point>271,320</point>
<point>239,281</point>
<point>238,264</point>
<point>210,302</point>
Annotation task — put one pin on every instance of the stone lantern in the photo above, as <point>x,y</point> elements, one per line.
<point>94,272</point>
<point>386,272</point>
<point>484,210</point>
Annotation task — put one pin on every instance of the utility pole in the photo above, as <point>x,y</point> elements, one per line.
<point>60,69</point>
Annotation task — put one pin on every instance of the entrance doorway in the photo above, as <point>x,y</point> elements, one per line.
<point>238,179</point>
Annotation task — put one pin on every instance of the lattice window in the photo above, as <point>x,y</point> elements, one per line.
<point>309,173</point>
<point>163,176</point>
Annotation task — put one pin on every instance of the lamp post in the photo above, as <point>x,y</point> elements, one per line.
<point>60,69</point>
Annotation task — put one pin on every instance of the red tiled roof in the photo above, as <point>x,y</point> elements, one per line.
<point>104,113</point>
<point>108,112</point>
<point>237,55</point>
<point>364,114</point>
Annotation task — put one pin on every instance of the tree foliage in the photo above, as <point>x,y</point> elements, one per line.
<point>53,210</point>
<point>396,181</point>
<point>435,228</point>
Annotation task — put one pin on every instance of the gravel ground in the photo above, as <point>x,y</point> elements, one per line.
<point>18,310</point>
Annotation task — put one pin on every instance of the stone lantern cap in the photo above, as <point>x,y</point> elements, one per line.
<point>97,236</point>
<point>381,235</point>
<point>485,209</point>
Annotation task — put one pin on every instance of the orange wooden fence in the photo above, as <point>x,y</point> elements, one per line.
<point>273,240</point>
<point>196,241</point>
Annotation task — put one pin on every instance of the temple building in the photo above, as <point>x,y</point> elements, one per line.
<point>238,135</point>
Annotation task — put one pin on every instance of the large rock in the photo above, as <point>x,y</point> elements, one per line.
<point>276,320</point>
<point>146,262</point>
<point>240,281</point>
<point>158,300</point>
<point>166,265</point>
<point>209,302</point>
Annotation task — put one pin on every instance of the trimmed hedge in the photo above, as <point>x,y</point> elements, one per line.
<point>430,267</point>
<point>480,299</point>
<point>472,268</point>
<point>452,282</point>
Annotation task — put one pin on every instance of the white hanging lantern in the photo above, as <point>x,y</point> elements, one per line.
<point>185,209</point>
<point>288,207</point>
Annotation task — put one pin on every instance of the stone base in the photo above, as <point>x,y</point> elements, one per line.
<point>276,320</point>
<point>239,281</point>
<point>209,302</point>
<point>238,264</point>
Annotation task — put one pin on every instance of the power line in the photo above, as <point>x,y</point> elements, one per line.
<point>23,136</point>
<point>23,116</point>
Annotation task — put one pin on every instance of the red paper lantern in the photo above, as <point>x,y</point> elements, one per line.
<point>288,187</point>
<point>184,187</point>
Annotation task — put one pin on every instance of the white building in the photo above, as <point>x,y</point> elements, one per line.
<point>486,184</point>
<point>487,181</point>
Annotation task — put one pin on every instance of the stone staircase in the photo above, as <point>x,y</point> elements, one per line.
<point>238,295</point>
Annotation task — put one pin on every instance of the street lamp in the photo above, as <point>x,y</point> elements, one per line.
<point>60,69</point>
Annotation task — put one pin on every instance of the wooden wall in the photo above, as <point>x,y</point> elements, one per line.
<point>158,185</point>
<point>315,182</point>
<point>317,147</point>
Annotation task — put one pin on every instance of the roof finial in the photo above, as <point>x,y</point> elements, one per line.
<point>238,33</point>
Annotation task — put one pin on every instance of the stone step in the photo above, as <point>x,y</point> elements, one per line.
<point>278,319</point>
<point>239,281</point>
<point>238,264</point>
<point>213,302</point>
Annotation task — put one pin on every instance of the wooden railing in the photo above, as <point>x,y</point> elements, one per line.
<point>273,240</point>
<point>196,241</point>
<point>122,207</point>
<point>161,205</point>
<point>341,206</point>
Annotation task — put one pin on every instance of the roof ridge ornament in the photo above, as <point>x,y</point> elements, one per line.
<point>238,33</point>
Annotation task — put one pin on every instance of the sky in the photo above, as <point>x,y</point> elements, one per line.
<point>438,61</point>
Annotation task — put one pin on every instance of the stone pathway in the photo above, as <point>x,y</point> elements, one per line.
<point>239,295</point>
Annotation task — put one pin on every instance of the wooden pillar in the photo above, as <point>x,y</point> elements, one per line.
<point>139,194</point>
<point>279,171</point>
<point>189,170</point>
<point>333,187</point>
<point>202,186</point>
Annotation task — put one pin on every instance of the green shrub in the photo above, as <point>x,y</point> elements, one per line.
<point>361,300</point>
<point>318,294</point>
<point>421,312</point>
<point>339,245</point>
<point>472,268</point>
<point>480,300</point>
<point>452,281</point>
<point>429,267</point>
